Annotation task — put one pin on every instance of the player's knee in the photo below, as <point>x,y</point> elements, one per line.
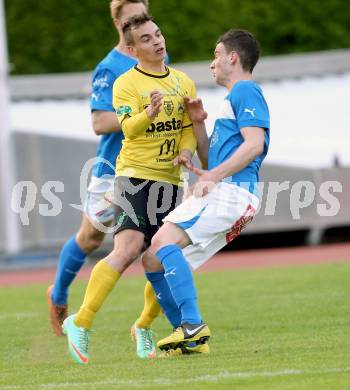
<point>162,238</point>
<point>157,242</point>
<point>120,260</point>
<point>127,254</point>
<point>89,241</point>
<point>151,263</point>
<point>132,252</point>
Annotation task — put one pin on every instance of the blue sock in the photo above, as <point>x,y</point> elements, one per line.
<point>71,260</point>
<point>164,297</point>
<point>179,278</point>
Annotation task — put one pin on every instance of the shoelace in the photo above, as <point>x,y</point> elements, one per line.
<point>84,339</point>
<point>147,337</point>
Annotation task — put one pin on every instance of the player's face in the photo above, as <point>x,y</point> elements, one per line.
<point>149,43</point>
<point>221,66</point>
<point>129,10</point>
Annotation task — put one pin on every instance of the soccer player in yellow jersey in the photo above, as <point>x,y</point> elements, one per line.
<point>150,107</point>
<point>149,102</point>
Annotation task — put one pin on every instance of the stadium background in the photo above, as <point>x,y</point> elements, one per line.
<point>53,47</point>
<point>279,324</point>
<point>65,36</point>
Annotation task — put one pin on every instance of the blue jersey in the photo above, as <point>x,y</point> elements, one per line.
<point>111,67</point>
<point>244,106</point>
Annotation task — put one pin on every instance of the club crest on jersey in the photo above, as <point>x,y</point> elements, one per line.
<point>168,107</point>
<point>121,110</point>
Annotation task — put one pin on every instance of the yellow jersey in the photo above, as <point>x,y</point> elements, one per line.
<point>149,147</point>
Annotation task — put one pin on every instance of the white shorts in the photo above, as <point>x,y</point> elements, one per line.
<point>213,220</point>
<point>98,204</point>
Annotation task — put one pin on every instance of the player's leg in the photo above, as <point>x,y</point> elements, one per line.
<point>141,331</point>
<point>162,198</point>
<point>167,245</point>
<point>151,308</point>
<point>210,221</point>
<point>171,310</point>
<point>196,256</point>
<point>131,228</point>
<point>72,258</point>
<point>128,245</point>
<point>77,248</point>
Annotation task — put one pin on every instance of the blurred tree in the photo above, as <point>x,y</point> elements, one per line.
<point>67,36</point>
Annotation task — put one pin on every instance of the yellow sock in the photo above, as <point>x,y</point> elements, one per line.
<point>151,308</point>
<point>102,280</point>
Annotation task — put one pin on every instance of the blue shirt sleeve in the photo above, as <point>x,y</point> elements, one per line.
<point>102,87</point>
<point>249,105</point>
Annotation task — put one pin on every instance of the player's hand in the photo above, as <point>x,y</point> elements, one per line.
<point>155,106</point>
<point>188,191</point>
<point>184,159</point>
<point>205,183</point>
<point>195,109</point>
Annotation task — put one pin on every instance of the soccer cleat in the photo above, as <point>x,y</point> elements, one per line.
<point>78,340</point>
<point>145,346</point>
<point>57,313</point>
<point>189,349</point>
<point>171,353</point>
<point>194,348</point>
<point>186,333</point>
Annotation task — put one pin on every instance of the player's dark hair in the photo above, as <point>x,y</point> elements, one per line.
<point>132,23</point>
<point>245,44</point>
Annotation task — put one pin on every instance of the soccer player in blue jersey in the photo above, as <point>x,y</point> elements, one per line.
<point>224,198</point>
<point>98,208</point>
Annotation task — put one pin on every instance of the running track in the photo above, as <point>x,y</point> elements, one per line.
<point>220,262</point>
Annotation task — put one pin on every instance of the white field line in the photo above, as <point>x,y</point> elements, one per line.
<point>18,315</point>
<point>167,381</point>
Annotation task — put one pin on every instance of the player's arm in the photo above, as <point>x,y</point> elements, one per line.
<point>188,142</point>
<point>248,151</point>
<point>187,147</point>
<point>135,125</point>
<point>125,101</point>
<point>103,118</point>
<point>252,128</point>
<point>104,122</point>
<point>197,114</point>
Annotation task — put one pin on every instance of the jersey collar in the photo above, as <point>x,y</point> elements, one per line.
<point>156,75</point>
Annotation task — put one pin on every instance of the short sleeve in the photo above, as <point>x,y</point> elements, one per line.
<point>102,86</point>
<point>249,106</point>
<point>125,101</point>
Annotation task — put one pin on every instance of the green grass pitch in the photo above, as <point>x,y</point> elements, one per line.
<point>273,328</point>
